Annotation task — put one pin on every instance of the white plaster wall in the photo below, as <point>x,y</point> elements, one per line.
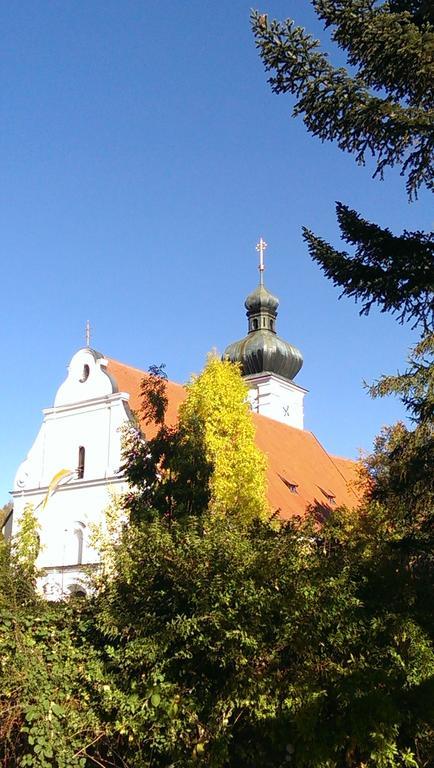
<point>96,425</point>
<point>73,506</point>
<point>277,398</point>
<point>88,412</point>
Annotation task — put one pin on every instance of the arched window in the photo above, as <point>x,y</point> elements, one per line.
<point>77,590</point>
<point>255,324</point>
<point>74,543</point>
<point>85,374</point>
<point>78,535</point>
<point>81,460</point>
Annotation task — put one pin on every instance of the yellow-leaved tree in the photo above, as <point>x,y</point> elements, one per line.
<point>216,415</point>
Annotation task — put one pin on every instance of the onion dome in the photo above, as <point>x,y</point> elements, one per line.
<point>262,350</point>
<point>261,298</point>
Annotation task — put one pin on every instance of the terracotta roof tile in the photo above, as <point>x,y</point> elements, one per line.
<point>300,471</point>
<point>129,380</point>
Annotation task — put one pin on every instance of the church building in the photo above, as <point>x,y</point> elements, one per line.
<point>73,468</point>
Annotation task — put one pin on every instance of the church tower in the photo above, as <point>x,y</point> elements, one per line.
<point>268,363</point>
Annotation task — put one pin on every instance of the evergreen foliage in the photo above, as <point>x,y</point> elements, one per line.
<point>226,641</point>
<point>222,645</point>
<point>386,108</point>
<point>383,106</point>
<point>265,646</point>
<point>213,637</point>
<point>394,272</point>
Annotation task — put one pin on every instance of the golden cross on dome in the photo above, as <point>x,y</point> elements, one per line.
<point>87,333</point>
<point>261,246</point>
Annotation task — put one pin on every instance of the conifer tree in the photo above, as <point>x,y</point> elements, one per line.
<point>386,107</point>
<point>383,107</point>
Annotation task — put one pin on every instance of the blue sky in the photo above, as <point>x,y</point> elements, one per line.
<point>142,155</point>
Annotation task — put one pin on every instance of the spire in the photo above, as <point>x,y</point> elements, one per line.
<point>261,305</point>
<point>260,247</point>
<point>87,333</point>
<point>262,349</point>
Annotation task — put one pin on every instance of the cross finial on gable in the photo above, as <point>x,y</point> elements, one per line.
<point>260,247</point>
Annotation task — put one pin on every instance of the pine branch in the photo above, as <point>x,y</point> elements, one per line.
<point>396,273</point>
<point>336,106</point>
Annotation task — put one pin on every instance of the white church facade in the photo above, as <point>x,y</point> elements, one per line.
<point>73,468</point>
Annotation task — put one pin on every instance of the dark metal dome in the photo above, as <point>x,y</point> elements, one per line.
<point>261,298</point>
<point>262,350</point>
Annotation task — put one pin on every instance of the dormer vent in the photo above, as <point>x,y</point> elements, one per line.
<point>293,487</point>
<point>330,496</point>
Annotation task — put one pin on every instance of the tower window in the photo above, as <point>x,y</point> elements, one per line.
<point>271,325</point>
<point>255,324</point>
<point>81,460</point>
<point>85,374</point>
<point>78,542</point>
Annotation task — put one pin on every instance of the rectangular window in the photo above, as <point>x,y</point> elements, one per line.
<point>81,459</point>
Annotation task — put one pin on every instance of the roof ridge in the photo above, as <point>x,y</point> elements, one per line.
<point>126,365</point>
<point>343,458</point>
<point>282,423</point>
<point>140,370</point>
<point>330,457</point>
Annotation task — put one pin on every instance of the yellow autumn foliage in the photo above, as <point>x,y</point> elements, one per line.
<point>217,414</point>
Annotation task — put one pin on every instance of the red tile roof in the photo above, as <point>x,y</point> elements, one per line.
<point>129,380</point>
<point>300,471</point>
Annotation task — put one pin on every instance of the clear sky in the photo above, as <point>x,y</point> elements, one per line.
<point>142,155</point>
